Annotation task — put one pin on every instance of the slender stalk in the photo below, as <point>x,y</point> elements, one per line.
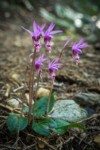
<point>61,53</point>
<point>67,42</point>
<point>31,82</point>
<point>35,98</point>
<point>49,98</point>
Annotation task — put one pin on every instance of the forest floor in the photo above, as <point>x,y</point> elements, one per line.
<point>15,48</point>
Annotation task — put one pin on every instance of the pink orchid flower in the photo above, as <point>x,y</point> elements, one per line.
<point>36,33</point>
<point>39,63</point>
<point>48,35</point>
<point>76,49</point>
<point>53,67</point>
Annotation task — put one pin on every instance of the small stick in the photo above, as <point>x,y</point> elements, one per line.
<point>89,118</point>
<point>19,88</point>
<point>9,108</point>
<point>6,107</point>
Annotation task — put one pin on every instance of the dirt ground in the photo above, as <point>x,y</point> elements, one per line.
<point>15,47</point>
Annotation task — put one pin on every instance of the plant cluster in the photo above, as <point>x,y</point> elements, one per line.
<point>37,114</point>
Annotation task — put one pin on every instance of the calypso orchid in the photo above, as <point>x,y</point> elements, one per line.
<point>53,66</point>
<point>36,34</point>
<point>76,49</point>
<point>39,63</point>
<point>48,35</point>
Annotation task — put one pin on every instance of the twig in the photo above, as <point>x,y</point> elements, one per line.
<point>28,147</point>
<point>69,139</point>
<point>60,145</point>
<point>93,128</point>
<point>6,107</point>
<point>50,146</point>
<point>9,108</point>
<point>4,117</point>
<point>92,117</point>
<point>19,88</point>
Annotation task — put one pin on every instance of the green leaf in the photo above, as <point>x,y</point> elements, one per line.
<point>15,122</point>
<point>49,122</point>
<point>42,127</point>
<point>12,122</point>
<point>75,125</point>
<point>63,129</point>
<point>48,126</point>
<point>59,126</point>
<point>41,106</point>
<point>26,109</point>
<point>52,100</point>
<point>23,122</point>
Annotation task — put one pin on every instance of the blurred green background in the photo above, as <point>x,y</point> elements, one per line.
<point>81,16</point>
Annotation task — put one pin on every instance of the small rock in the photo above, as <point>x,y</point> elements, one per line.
<point>13,103</point>
<point>15,76</point>
<point>90,111</point>
<point>68,110</point>
<point>42,92</point>
<point>87,99</point>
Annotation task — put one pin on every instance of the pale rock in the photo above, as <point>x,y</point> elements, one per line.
<point>68,110</point>
<point>13,103</point>
<point>42,92</point>
<point>87,99</point>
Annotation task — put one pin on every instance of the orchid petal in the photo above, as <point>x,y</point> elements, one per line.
<point>78,51</point>
<point>43,26</point>
<point>51,26</point>
<point>81,41</point>
<point>83,46</point>
<point>31,33</point>
<point>56,31</point>
<point>34,27</point>
<point>54,68</point>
